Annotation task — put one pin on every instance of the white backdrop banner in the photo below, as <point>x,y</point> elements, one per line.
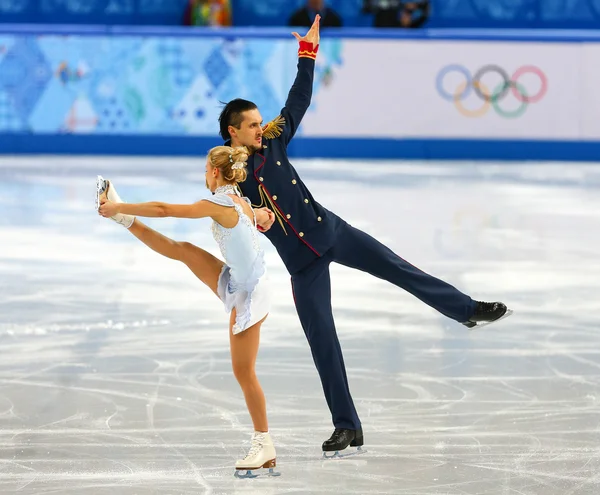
<point>459,89</point>
<point>588,96</point>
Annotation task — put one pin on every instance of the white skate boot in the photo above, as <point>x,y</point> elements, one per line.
<point>104,189</point>
<point>261,455</point>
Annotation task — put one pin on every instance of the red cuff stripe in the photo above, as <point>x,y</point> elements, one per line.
<point>308,50</point>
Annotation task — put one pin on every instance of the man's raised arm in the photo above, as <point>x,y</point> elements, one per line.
<point>299,96</point>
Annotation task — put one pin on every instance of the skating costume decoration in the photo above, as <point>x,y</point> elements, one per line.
<point>274,128</point>
<point>307,50</point>
<point>308,238</point>
<point>242,283</point>
<point>271,131</point>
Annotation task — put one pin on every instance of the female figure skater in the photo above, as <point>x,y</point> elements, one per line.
<point>241,282</point>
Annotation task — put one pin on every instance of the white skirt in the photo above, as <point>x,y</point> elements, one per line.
<point>251,306</point>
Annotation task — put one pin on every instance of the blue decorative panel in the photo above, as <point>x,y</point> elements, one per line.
<point>140,85</point>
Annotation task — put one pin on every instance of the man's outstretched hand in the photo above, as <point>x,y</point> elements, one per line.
<point>313,34</point>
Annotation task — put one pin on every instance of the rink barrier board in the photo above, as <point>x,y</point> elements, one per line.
<point>361,149</point>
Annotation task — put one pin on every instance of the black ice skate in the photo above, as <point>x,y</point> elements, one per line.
<point>342,439</point>
<point>486,313</point>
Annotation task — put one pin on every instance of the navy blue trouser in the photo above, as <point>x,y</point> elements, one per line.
<point>312,295</point>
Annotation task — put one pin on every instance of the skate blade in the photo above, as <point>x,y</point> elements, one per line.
<point>486,323</point>
<point>348,452</point>
<point>255,473</point>
<point>100,189</point>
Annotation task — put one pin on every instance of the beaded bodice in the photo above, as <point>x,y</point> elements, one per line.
<point>239,245</point>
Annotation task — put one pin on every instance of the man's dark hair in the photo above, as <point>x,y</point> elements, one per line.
<point>232,115</point>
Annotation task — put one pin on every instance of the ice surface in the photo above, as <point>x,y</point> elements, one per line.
<point>115,375</point>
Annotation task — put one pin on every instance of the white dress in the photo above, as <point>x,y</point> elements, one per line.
<point>243,283</point>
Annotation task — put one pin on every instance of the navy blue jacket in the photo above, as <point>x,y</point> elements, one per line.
<point>303,230</point>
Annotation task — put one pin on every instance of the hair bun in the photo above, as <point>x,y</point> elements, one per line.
<point>240,154</point>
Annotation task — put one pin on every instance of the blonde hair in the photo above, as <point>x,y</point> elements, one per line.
<point>230,161</point>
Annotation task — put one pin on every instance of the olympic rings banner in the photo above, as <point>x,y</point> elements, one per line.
<point>456,89</point>
<point>492,99</point>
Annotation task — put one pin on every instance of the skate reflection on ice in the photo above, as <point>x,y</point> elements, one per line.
<point>256,473</point>
<point>348,452</point>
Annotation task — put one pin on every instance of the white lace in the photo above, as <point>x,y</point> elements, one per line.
<point>257,445</point>
<point>227,189</point>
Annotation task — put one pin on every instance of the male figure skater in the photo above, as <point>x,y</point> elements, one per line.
<point>308,238</point>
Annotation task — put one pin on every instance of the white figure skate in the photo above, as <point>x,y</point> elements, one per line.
<point>104,189</point>
<point>261,455</point>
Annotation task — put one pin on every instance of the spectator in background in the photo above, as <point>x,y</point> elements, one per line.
<point>208,13</point>
<point>306,15</point>
<point>396,13</point>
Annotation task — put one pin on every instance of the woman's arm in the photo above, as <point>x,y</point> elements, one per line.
<point>201,209</point>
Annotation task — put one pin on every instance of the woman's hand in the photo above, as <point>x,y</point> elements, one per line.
<point>108,208</point>
<point>264,218</point>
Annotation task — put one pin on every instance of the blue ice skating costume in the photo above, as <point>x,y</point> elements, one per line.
<point>243,282</point>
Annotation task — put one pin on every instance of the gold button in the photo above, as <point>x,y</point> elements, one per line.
<point>293,181</point>
<point>289,216</point>
<point>301,234</point>
<point>274,198</point>
<point>265,146</point>
<point>306,200</point>
<point>261,179</point>
<point>278,163</point>
<point>319,219</point>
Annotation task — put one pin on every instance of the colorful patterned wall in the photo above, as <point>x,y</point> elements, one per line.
<point>141,85</point>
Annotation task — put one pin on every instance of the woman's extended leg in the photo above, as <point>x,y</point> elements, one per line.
<point>203,264</point>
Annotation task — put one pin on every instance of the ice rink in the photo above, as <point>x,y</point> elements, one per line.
<point>115,375</point>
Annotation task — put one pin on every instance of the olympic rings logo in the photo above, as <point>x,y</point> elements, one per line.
<point>507,85</point>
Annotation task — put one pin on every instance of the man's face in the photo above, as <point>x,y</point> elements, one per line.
<point>315,4</point>
<point>250,132</point>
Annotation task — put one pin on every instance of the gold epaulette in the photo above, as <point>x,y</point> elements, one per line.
<point>274,128</point>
